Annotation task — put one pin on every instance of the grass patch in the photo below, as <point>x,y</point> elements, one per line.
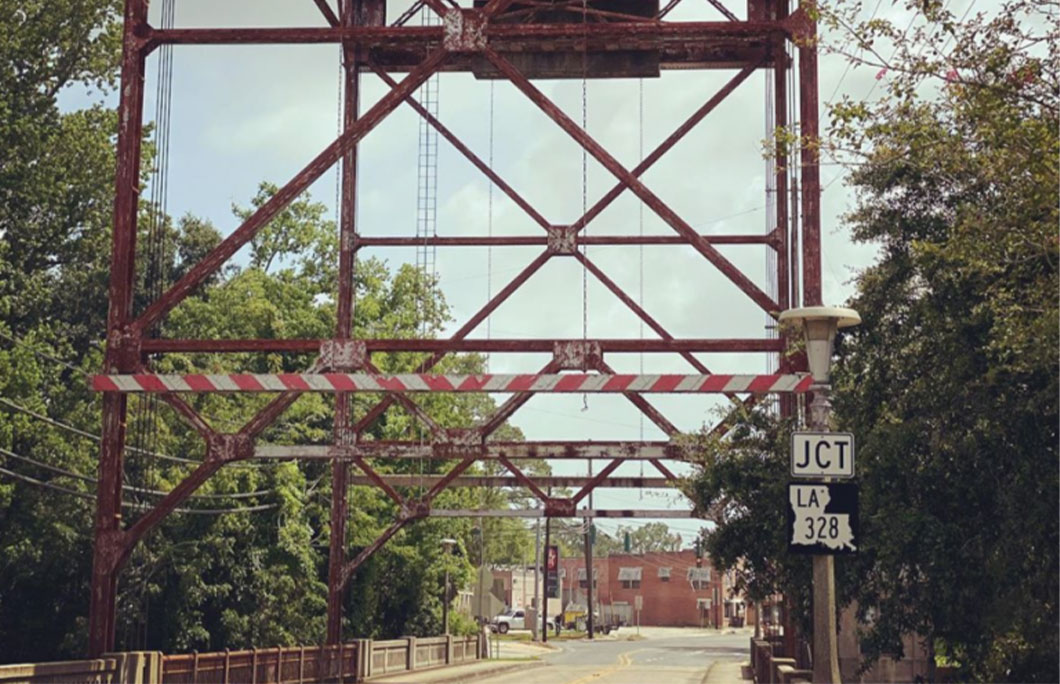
<point>512,636</point>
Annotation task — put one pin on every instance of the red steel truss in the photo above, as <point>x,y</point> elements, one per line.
<point>516,40</point>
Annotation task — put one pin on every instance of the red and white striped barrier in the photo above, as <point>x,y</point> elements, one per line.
<point>422,382</point>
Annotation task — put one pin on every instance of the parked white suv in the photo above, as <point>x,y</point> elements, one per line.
<point>515,618</point>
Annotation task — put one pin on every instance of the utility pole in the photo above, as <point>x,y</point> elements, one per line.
<point>481,567</point>
<point>544,606</point>
<point>538,578</point>
<point>589,560</point>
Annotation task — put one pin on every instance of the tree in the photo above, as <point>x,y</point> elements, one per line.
<point>950,383</point>
<point>742,479</point>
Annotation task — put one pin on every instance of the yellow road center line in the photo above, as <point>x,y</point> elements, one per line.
<point>624,661</point>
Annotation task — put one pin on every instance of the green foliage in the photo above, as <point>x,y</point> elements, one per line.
<point>950,383</point>
<point>198,581</point>
<point>741,480</point>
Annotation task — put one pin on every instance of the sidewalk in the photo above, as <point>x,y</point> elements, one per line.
<point>724,672</point>
<point>458,673</point>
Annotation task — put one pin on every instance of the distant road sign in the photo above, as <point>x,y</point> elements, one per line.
<point>822,518</point>
<point>822,454</point>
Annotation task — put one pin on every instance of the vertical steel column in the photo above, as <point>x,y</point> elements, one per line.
<point>122,346</point>
<point>810,161</point>
<point>785,274</point>
<point>344,327</point>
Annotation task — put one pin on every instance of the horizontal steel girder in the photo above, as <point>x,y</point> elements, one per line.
<point>507,481</point>
<point>496,345</point>
<point>489,451</point>
<point>555,383</point>
<point>578,513</point>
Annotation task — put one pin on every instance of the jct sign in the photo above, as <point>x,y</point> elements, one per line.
<point>822,454</point>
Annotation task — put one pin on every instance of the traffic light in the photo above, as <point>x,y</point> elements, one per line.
<point>699,552</point>
<point>626,543</point>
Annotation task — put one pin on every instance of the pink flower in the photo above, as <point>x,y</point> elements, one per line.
<point>952,75</point>
<point>880,74</point>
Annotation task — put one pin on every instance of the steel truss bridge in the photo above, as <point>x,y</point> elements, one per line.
<point>518,41</point>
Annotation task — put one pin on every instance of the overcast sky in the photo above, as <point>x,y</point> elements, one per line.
<point>244,114</point>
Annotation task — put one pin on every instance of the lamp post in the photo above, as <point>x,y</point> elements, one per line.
<point>447,546</point>
<point>819,324</point>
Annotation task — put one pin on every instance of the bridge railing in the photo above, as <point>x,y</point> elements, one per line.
<point>354,661</point>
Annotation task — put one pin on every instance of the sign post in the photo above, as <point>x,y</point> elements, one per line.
<point>821,457</point>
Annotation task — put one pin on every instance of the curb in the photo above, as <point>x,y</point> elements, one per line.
<point>472,676</point>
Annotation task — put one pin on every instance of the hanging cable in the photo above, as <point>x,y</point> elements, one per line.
<point>585,189</point>
<point>489,225</point>
<point>640,232</point>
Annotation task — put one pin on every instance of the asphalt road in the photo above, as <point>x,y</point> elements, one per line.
<point>663,659</point>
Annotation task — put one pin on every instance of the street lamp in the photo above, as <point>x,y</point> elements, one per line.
<point>447,547</point>
<point>819,325</point>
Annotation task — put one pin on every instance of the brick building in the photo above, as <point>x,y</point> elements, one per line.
<point>676,590</point>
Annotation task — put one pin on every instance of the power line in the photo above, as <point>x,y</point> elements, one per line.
<point>43,355</point>
<point>139,490</point>
<point>130,504</point>
<point>96,438</point>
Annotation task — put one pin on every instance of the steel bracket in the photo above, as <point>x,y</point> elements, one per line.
<point>580,355</point>
<point>800,26</point>
<point>124,344</point>
<point>560,508</point>
<point>465,438</point>
<point>229,447</point>
<point>562,240</point>
<point>414,509</point>
<point>342,356</point>
<point>465,30</point>
<point>112,544</point>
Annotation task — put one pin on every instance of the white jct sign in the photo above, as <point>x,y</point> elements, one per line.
<point>822,454</point>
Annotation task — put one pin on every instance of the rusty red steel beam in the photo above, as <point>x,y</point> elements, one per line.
<point>351,566</point>
<point>636,308</point>
<point>541,483</point>
<point>604,35</point>
<point>667,9</point>
<point>734,274</point>
<point>466,151</point>
<point>412,407</point>
<point>329,14</point>
<point>472,323</point>
<point>557,450</point>
<point>511,405</point>
<point>653,414</point>
<point>189,414</point>
<point>661,467</point>
<point>724,10</point>
<point>665,146</point>
<point>496,345</point>
<point>639,401</point>
<point>809,161</point>
<point>340,470</point>
<point>323,161</point>
<point>523,479</point>
<point>541,241</point>
<point>378,480</point>
<point>345,304</point>
<point>595,480</point>
<point>453,473</point>
<point>107,531</point>
<point>659,513</point>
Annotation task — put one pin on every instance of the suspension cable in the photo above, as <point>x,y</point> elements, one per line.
<point>585,179</point>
